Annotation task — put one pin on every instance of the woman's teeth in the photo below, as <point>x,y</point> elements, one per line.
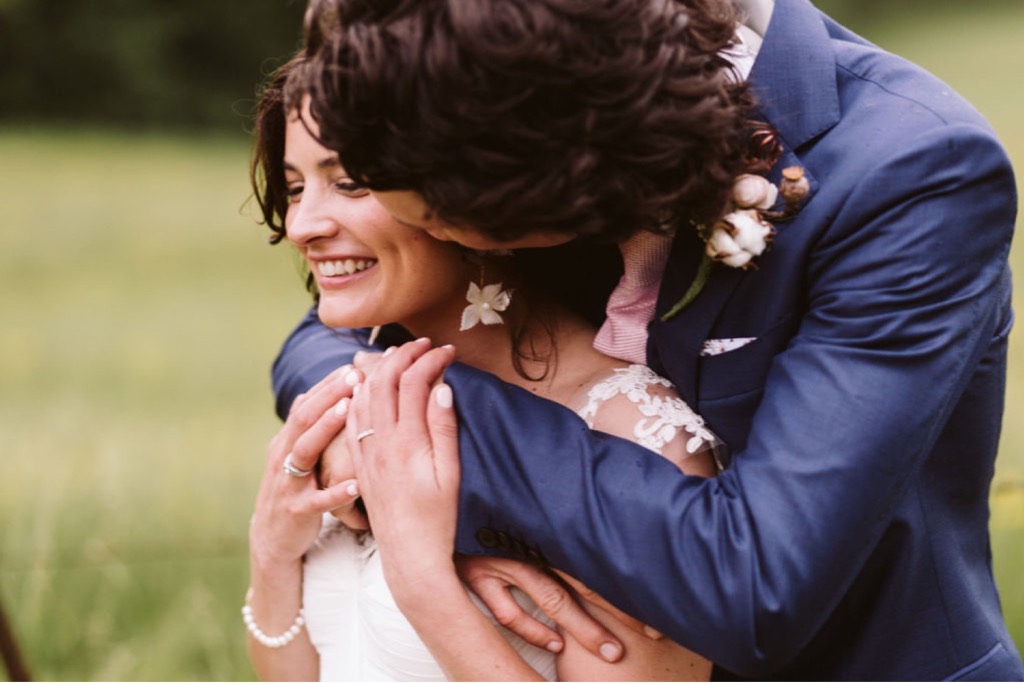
<point>343,267</point>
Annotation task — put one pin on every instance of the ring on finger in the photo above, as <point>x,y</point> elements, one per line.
<point>294,471</point>
<point>365,433</point>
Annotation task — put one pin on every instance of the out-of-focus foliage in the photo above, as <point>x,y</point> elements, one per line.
<point>193,63</point>
<point>164,63</point>
<point>864,14</point>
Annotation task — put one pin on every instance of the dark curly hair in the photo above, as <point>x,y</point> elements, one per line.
<point>266,167</point>
<point>518,116</point>
<point>280,96</point>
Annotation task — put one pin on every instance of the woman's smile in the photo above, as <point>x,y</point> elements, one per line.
<point>369,269</point>
<point>332,273</point>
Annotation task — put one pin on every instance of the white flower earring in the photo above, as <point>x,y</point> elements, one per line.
<point>486,303</point>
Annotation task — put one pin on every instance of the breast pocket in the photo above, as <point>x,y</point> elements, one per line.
<point>744,370</point>
<point>731,385</point>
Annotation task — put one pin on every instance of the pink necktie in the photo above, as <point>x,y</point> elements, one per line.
<point>631,305</point>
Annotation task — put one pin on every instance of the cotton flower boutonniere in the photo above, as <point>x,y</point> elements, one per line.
<point>743,234</point>
<point>746,230</point>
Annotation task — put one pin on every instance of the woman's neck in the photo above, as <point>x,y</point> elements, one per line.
<point>565,362</point>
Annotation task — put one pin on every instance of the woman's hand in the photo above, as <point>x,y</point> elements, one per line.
<point>289,508</point>
<point>404,441</point>
<point>286,522</point>
<point>409,476</point>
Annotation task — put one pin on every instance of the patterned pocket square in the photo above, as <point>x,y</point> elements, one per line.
<point>715,347</point>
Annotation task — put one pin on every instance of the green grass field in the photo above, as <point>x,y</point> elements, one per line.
<point>141,310</point>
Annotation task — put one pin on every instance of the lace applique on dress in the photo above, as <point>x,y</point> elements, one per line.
<point>663,416</point>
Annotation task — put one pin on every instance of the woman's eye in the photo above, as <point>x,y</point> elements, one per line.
<point>294,193</point>
<point>350,188</point>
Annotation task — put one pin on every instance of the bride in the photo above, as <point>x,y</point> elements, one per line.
<point>329,602</point>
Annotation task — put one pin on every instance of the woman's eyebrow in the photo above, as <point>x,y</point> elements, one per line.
<point>325,163</point>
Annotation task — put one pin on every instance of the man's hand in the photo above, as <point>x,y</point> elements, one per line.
<point>491,578</point>
<point>588,594</point>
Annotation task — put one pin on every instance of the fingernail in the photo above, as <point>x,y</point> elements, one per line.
<point>610,652</point>
<point>444,396</point>
<point>355,391</point>
<point>341,407</point>
<point>388,351</point>
<point>352,490</point>
<point>423,339</point>
<point>652,633</point>
<point>344,370</point>
<point>352,378</point>
<point>358,358</point>
<point>554,646</point>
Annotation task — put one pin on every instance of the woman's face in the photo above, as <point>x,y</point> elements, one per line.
<point>370,269</point>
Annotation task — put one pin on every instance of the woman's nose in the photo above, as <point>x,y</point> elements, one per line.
<point>310,218</point>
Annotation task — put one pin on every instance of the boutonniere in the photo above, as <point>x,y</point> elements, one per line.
<point>746,230</point>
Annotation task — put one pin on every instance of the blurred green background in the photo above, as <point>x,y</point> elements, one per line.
<point>141,309</point>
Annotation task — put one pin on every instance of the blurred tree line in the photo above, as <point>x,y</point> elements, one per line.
<point>186,63</point>
<point>167,63</point>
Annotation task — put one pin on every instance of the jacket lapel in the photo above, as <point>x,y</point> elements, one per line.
<point>794,75</point>
<point>674,345</point>
<point>794,82</point>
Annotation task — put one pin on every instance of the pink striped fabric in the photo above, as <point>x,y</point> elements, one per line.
<point>631,305</point>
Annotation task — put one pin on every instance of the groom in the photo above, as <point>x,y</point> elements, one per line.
<point>857,373</point>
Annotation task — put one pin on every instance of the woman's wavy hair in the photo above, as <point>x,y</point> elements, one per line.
<point>266,167</point>
<point>280,95</point>
<point>518,116</point>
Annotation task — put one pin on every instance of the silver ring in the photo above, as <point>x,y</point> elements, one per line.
<point>294,471</point>
<point>365,433</point>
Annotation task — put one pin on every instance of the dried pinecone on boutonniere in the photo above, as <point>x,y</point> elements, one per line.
<point>744,232</point>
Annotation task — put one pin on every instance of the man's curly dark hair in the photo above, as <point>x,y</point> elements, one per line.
<point>517,116</point>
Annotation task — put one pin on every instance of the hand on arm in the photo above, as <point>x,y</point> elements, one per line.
<point>409,476</point>
<point>308,351</point>
<point>311,352</point>
<point>285,523</point>
<point>852,405</point>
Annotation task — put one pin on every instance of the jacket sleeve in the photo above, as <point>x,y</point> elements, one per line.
<point>311,351</point>
<point>908,308</point>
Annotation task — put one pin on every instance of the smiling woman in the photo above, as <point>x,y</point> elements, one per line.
<point>117,560</point>
<point>369,269</point>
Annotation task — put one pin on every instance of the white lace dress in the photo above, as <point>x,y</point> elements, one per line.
<point>351,616</point>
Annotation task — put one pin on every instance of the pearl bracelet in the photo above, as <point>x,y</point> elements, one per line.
<point>273,642</point>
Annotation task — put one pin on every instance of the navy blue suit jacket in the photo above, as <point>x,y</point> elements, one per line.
<point>848,539</point>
